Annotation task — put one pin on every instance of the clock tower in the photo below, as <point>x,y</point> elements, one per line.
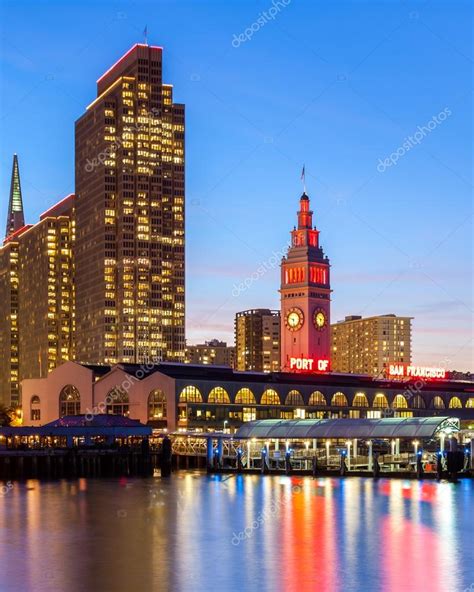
<point>305,299</point>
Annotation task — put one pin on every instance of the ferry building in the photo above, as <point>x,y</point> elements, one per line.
<point>211,397</point>
<point>208,398</point>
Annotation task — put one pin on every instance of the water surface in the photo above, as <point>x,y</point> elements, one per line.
<point>239,533</point>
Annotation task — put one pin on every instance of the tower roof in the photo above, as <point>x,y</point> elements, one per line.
<point>305,215</point>
<point>125,63</point>
<point>15,217</point>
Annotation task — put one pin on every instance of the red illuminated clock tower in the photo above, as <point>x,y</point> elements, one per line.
<point>305,299</point>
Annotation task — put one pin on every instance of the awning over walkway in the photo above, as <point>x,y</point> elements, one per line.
<point>295,429</point>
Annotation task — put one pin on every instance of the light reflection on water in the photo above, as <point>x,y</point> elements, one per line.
<point>198,532</point>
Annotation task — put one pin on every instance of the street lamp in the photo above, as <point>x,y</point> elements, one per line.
<point>348,452</point>
<point>415,446</point>
<point>225,423</point>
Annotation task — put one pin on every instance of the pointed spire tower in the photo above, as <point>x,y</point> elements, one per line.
<point>16,217</point>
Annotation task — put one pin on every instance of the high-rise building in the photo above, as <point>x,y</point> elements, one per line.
<point>130,216</point>
<point>9,313</point>
<point>257,340</point>
<point>368,345</point>
<point>46,296</point>
<point>15,217</point>
<point>305,298</point>
<point>211,352</point>
<point>9,293</point>
<point>36,293</point>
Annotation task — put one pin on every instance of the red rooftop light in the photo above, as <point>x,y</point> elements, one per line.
<point>17,233</point>
<point>125,55</point>
<point>62,201</point>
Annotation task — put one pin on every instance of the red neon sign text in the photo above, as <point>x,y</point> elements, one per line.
<point>309,365</point>
<point>409,371</point>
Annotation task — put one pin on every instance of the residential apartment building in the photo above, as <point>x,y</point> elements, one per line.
<point>367,345</point>
<point>213,352</point>
<point>257,340</point>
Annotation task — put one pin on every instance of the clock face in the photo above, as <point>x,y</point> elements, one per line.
<point>294,319</point>
<point>319,319</point>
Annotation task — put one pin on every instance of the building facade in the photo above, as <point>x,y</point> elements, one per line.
<point>130,216</point>
<point>257,340</point>
<point>213,352</point>
<point>46,297</point>
<point>36,299</point>
<point>9,337</point>
<point>305,297</point>
<point>368,345</point>
<point>187,397</point>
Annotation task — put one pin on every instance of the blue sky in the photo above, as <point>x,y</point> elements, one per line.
<point>335,85</point>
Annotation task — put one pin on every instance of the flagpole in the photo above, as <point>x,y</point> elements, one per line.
<point>303,178</point>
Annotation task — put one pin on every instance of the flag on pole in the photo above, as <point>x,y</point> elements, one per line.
<point>303,178</point>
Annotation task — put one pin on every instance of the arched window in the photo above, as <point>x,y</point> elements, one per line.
<point>190,394</point>
<point>418,402</point>
<point>339,400</point>
<point>270,397</point>
<point>399,402</point>
<point>470,403</point>
<point>35,408</point>
<point>69,401</point>
<point>156,405</point>
<point>117,402</point>
<point>380,401</point>
<point>360,400</point>
<point>437,403</point>
<point>294,398</point>
<point>455,403</point>
<point>245,397</point>
<point>317,399</point>
<point>218,395</point>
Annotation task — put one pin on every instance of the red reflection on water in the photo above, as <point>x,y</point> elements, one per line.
<point>411,557</point>
<point>309,552</point>
<point>424,492</point>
